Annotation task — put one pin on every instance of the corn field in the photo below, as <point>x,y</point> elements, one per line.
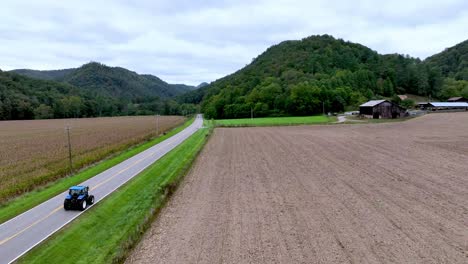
<point>35,152</point>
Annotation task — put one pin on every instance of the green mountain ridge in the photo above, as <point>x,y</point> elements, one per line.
<point>110,81</point>
<point>52,75</point>
<point>22,97</point>
<point>91,90</point>
<point>300,77</point>
<point>452,62</point>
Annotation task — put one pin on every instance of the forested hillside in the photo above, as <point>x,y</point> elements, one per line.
<point>111,81</point>
<point>26,98</point>
<point>453,62</point>
<point>302,77</point>
<point>89,91</point>
<point>453,65</point>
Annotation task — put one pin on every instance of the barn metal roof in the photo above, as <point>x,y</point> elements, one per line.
<point>373,103</point>
<point>454,98</point>
<point>449,104</point>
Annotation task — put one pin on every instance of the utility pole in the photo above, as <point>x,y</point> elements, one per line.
<point>251,113</point>
<point>157,125</point>
<point>69,150</point>
<point>323,107</point>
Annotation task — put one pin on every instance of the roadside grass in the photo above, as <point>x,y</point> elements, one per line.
<point>357,120</point>
<point>27,201</point>
<point>209,123</point>
<point>275,121</point>
<point>109,230</point>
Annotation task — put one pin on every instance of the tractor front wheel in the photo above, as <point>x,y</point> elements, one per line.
<point>83,205</point>
<point>91,199</point>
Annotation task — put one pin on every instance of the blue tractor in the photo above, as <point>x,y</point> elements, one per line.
<point>78,198</point>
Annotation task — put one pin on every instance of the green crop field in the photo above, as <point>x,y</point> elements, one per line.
<point>275,121</point>
<point>106,232</point>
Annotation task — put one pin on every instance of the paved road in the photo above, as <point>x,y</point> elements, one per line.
<point>341,119</point>
<point>22,233</point>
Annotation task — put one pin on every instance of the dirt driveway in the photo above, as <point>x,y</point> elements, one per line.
<point>367,193</point>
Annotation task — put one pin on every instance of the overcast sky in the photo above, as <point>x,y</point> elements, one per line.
<point>184,41</point>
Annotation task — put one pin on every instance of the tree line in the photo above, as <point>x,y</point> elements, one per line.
<point>320,72</point>
<point>22,97</point>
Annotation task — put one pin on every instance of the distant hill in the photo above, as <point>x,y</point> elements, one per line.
<point>195,96</point>
<point>452,62</point>
<point>54,75</point>
<point>88,91</point>
<point>203,84</point>
<point>118,82</point>
<point>299,77</point>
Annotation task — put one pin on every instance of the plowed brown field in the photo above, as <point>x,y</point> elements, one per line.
<point>375,193</point>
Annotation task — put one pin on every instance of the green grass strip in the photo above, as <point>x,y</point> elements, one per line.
<point>357,120</point>
<point>29,200</point>
<point>275,121</point>
<point>106,232</point>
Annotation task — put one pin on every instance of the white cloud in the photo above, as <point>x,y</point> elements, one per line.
<point>185,41</point>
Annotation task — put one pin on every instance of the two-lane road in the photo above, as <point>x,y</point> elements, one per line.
<point>22,233</point>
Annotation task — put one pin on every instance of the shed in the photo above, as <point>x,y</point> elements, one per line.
<point>447,105</point>
<point>423,105</point>
<point>457,99</point>
<point>381,109</point>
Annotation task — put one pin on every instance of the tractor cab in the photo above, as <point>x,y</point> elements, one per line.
<point>78,190</point>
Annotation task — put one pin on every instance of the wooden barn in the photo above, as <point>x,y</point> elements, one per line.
<point>381,109</point>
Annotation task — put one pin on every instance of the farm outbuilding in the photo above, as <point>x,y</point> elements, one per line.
<point>422,105</point>
<point>381,109</point>
<point>447,106</point>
